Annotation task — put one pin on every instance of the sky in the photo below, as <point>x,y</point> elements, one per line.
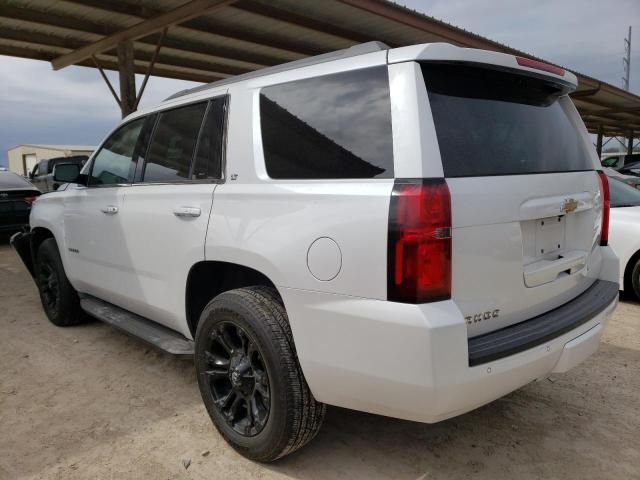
<point>74,106</point>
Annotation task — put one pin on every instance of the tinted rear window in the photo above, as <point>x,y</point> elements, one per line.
<point>335,126</point>
<point>491,122</point>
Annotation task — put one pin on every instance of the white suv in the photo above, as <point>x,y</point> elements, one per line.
<point>411,232</point>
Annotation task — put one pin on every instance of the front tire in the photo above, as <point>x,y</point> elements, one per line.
<point>250,378</point>
<point>59,299</point>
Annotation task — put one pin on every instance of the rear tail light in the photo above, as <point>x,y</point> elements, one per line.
<point>419,248</point>
<point>545,67</point>
<point>606,206</point>
<point>30,200</point>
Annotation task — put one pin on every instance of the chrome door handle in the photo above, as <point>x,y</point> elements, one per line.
<point>187,212</point>
<point>109,210</point>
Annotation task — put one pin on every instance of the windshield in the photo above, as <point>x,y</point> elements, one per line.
<point>491,122</point>
<point>622,195</point>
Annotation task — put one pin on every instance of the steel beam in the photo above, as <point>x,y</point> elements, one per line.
<point>192,9</point>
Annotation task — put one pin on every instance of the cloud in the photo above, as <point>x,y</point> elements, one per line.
<point>72,106</point>
<point>583,35</point>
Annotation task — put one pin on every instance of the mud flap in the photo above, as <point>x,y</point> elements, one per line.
<point>21,243</point>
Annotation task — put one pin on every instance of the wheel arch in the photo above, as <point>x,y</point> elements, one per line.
<point>628,269</point>
<point>39,235</point>
<point>209,278</point>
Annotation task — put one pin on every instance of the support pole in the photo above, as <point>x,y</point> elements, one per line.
<point>150,69</point>
<point>599,142</point>
<point>630,143</point>
<point>127,78</point>
<point>106,79</point>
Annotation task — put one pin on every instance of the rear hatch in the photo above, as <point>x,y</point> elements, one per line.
<point>525,196</point>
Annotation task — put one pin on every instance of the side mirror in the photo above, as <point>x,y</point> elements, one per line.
<point>67,173</point>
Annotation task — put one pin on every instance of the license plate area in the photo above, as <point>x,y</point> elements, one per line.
<point>550,236</point>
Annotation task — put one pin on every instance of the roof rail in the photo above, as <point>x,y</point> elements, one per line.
<point>355,50</point>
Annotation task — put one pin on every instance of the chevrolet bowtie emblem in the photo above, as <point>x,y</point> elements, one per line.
<point>569,205</point>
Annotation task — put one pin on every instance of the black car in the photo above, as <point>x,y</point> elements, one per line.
<point>16,197</point>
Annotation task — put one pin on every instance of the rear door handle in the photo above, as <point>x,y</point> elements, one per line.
<point>186,212</point>
<point>109,210</point>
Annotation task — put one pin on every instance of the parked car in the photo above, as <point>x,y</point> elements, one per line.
<point>42,173</point>
<point>619,160</point>
<point>319,233</point>
<point>630,180</point>
<point>624,235</point>
<point>632,168</point>
<point>16,197</point>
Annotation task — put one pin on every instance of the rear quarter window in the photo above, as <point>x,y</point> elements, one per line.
<point>335,126</point>
<point>493,122</point>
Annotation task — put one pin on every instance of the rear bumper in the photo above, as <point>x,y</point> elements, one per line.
<point>535,331</point>
<point>412,361</point>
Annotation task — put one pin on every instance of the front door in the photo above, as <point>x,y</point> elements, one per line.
<point>98,259</point>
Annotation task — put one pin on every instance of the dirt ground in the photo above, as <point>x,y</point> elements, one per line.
<point>91,403</point>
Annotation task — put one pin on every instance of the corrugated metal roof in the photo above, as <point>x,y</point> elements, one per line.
<point>230,38</point>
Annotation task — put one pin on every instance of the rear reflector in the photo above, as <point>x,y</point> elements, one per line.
<point>528,62</point>
<point>30,200</point>
<point>606,206</point>
<point>419,248</point>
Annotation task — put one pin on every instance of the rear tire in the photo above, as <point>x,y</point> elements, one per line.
<point>249,376</point>
<point>635,280</point>
<point>59,299</point>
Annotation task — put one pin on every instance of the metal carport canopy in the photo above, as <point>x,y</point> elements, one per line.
<point>207,40</point>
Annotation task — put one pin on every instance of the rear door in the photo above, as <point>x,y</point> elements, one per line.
<point>166,212</point>
<point>526,201</point>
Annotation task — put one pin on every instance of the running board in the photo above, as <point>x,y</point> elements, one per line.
<point>157,335</point>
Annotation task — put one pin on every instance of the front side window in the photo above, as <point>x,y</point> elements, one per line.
<point>114,163</point>
<point>173,144</point>
<point>334,126</point>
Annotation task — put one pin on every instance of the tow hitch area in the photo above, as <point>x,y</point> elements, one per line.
<point>21,243</point>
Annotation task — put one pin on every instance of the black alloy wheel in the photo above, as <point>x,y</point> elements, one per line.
<point>59,299</point>
<point>238,379</point>
<point>249,376</point>
<point>49,286</point>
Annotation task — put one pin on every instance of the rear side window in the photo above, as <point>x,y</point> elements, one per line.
<point>491,122</point>
<point>114,163</point>
<point>208,161</point>
<point>173,144</point>
<point>335,126</point>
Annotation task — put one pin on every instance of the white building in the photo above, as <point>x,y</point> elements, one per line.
<point>22,158</point>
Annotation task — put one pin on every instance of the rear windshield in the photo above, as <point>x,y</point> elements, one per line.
<point>492,122</point>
